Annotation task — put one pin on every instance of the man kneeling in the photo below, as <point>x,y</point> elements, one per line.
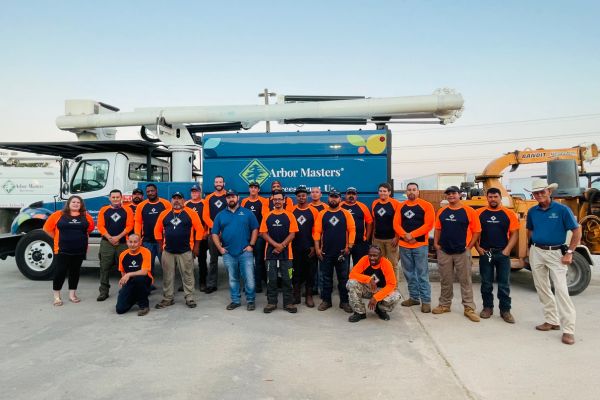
<point>372,278</point>
<point>136,278</point>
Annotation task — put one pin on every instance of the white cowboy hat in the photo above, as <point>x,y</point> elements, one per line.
<point>541,184</point>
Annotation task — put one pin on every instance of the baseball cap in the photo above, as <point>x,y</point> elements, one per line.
<point>137,191</point>
<point>177,194</point>
<point>351,189</point>
<point>195,187</point>
<point>452,189</point>
<point>253,183</point>
<point>334,193</point>
<point>301,189</point>
<point>230,192</point>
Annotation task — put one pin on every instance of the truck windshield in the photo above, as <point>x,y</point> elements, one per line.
<point>90,175</point>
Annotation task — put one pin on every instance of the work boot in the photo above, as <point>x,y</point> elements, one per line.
<point>232,306</point>
<point>164,303</point>
<point>425,308</point>
<point>382,314</point>
<point>324,306</point>
<point>486,312</point>
<point>546,327</point>
<point>102,296</point>
<point>251,306</point>
<point>346,307</point>
<point>269,308</point>
<point>291,309</point>
<point>296,294</point>
<point>410,302</point>
<point>441,309</point>
<point>471,314</point>
<point>356,317</point>
<point>568,338</point>
<point>202,287</point>
<point>507,317</point>
<point>309,299</point>
<point>143,311</point>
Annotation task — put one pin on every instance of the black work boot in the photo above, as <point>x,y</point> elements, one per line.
<point>382,314</point>
<point>356,317</point>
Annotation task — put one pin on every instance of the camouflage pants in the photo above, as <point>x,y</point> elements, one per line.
<point>358,291</point>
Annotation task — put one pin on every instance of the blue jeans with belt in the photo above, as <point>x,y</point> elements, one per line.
<point>241,266</point>
<point>501,264</point>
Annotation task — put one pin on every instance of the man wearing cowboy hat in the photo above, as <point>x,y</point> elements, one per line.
<point>547,226</point>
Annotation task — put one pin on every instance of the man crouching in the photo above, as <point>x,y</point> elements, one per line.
<point>136,278</point>
<point>372,278</point>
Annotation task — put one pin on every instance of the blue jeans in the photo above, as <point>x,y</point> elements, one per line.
<point>328,265</point>
<point>155,251</point>
<point>416,271</point>
<point>486,269</point>
<point>242,265</point>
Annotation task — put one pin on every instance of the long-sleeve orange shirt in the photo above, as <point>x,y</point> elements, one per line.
<point>384,271</point>
<point>414,217</point>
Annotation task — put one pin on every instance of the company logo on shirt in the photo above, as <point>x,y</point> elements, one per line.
<point>493,220</point>
<point>218,203</point>
<point>74,221</point>
<point>451,218</point>
<point>553,216</point>
<point>277,223</point>
<point>381,212</point>
<point>334,220</point>
<point>153,211</point>
<point>115,217</point>
<point>409,214</point>
<point>175,221</point>
<point>252,208</point>
<point>301,219</point>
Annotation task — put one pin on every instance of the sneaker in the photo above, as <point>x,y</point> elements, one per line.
<point>190,303</point>
<point>425,308</point>
<point>507,317</point>
<point>471,314</point>
<point>164,303</point>
<point>382,314</point>
<point>251,306</point>
<point>441,309</point>
<point>232,306</point>
<point>269,308</point>
<point>102,297</point>
<point>486,312</point>
<point>410,302</point>
<point>356,317</point>
<point>324,306</point>
<point>346,307</point>
<point>143,311</point>
<point>291,308</point>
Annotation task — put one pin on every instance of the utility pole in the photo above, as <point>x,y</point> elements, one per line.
<point>266,94</point>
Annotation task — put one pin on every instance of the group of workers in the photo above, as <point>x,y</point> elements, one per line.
<point>297,248</point>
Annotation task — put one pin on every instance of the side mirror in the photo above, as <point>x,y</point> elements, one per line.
<point>64,189</point>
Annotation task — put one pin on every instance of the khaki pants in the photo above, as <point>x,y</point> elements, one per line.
<point>546,264</point>
<point>358,291</point>
<point>185,263</point>
<point>461,263</point>
<point>390,252</point>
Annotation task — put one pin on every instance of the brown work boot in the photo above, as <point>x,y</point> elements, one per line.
<point>291,308</point>
<point>143,311</point>
<point>269,308</point>
<point>425,308</point>
<point>507,317</point>
<point>547,327</point>
<point>324,306</point>
<point>164,303</point>
<point>486,312</point>
<point>441,309</point>
<point>410,302</point>
<point>568,338</point>
<point>471,314</point>
<point>346,307</point>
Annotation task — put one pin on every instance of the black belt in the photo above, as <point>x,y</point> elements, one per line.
<point>544,247</point>
<point>495,249</point>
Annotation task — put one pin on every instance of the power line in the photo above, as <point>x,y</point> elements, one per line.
<point>486,142</point>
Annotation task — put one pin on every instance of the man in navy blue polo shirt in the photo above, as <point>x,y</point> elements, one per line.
<point>238,230</point>
<point>547,226</point>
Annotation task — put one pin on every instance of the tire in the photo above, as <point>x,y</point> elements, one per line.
<point>579,274</point>
<point>34,256</point>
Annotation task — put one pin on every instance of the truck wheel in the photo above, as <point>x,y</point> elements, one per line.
<point>34,255</point>
<point>579,274</point>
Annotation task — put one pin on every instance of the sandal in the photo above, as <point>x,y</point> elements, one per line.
<point>57,302</point>
<point>74,299</point>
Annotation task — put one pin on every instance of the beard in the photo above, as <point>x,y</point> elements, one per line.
<point>136,200</point>
<point>333,204</point>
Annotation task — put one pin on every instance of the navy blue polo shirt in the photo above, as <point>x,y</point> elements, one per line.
<point>235,228</point>
<point>549,227</point>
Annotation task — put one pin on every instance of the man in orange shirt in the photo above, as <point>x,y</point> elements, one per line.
<point>372,278</point>
<point>457,229</point>
<point>363,221</point>
<point>412,223</point>
<point>214,203</point>
<point>260,208</point>
<point>383,211</point>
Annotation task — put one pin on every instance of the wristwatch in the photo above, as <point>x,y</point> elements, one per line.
<point>570,251</point>
<point>251,245</point>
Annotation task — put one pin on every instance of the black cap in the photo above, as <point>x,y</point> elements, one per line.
<point>231,192</point>
<point>253,183</point>
<point>351,189</point>
<point>177,194</point>
<point>137,191</point>
<point>334,193</point>
<point>452,189</point>
<point>301,189</point>
<point>195,187</point>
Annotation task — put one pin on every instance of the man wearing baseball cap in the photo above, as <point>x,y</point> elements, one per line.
<point>363,221</point>
<point>178,231</point>
<point>137,196</point>
<point>547,226</point>
<point>197,204</point>
<point>276,185</point>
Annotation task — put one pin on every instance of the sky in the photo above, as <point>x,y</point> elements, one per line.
<point>528,70</point>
